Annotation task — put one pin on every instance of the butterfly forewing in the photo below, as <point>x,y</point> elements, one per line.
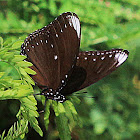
<point>92,66</point>
<point>53,50</point>
<point>98,64</point>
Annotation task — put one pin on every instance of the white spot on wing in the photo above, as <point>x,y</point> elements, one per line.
<point>55,57</point>
<point>89,53</point>
<point>37,44</point>
<point>123,56</point>
<point>94,59</point>
<point>72,65</point>
<point>85,58</point>
<point>52,45</point>
<point>76,25</point>
<point>117,55</point>
<point>103,57</point>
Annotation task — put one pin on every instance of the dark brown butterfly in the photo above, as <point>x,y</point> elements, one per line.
<point>61,69</point>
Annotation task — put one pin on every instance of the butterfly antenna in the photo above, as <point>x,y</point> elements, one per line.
<point>78,94</point>
<point>81,92</point>
<point>95,97</point>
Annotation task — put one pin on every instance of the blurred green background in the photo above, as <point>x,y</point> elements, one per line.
<point>105,25</point>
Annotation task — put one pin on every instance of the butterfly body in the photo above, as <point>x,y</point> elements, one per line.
<point>61,69</point>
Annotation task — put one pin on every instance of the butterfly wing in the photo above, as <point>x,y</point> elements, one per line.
<point>93,66</point>
<point>100,63</point>
<point>53,50</point>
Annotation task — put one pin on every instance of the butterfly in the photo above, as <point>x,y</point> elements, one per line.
<point>60,67</point>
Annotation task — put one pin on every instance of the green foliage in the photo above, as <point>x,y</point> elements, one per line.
<point>63,128</point>
<point>16,131</point>
<point>105,25</point>
<point>47,114</point>
<point>66,117</point>
<point>62,124</point>
<point>21,89</point>
<point>10,87</point>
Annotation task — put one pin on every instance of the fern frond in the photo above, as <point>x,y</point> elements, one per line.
<point>20,89</point>
<point>17,130</point>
